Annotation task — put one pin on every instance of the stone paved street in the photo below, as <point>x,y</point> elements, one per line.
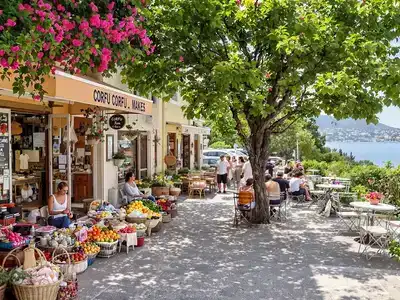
<point>201,256</point>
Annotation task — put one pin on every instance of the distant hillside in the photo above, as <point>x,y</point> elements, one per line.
<point>326,122</point>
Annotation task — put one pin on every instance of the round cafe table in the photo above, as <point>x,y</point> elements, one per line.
<point>328,186</point>
<point>371,209</point>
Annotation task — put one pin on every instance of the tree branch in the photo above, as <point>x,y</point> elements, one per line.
<point>286,128</point>
<point>239,125</point>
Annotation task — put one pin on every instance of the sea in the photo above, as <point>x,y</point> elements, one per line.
<point>377,152</point>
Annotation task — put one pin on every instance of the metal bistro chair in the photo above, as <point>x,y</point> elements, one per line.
<point>279,211</point>
<point>243,208</point>
<point>348,219</point>
<point>198,186</point>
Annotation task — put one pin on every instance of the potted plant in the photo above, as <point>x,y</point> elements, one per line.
<point>175,191</point>
<point>119,159</point>
<point>131,134</point>
<point>95,132</point>
<point>374,197</point>
<point>159,186</point>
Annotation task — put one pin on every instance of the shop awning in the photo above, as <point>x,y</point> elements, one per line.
<point>67,88</point>
<point>78,89</point>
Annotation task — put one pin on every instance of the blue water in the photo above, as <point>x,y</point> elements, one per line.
<point>378,153</point>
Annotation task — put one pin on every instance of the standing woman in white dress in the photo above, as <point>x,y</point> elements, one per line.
<point>237,174</point>
<point>230,169</point>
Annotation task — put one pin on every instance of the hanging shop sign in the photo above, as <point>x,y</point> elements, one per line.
<point>117,122</point>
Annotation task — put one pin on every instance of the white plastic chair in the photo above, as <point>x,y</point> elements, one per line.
<point>378,237</point>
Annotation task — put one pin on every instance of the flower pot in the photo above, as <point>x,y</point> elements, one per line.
<point>91,140</point>
<point>140,241</point>
<point>118,162</point>
<point>158,191</point>
<point>174,191</point>
<point>374,201</point>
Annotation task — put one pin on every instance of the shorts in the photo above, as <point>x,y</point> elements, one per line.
<point>222,178</point>
<point>301,191</point>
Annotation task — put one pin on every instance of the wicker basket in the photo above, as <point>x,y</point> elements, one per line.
<point>71,267</point>
<point>107,249</point>
<point>158,227</point>
<point>136,220</point>
<point>36,292</point>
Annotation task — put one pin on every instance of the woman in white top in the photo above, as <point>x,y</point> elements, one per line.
<point>59,210</point>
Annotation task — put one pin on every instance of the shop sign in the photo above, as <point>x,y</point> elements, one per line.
<point>118,101</point>
<point>117,122</point>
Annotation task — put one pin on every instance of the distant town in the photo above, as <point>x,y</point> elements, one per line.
<point>350,130</point>
<point>360,135</point>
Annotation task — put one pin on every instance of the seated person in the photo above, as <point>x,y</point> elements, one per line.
<point>297,186</point>
<point>248,188</point>
<point>283,184</point>
<point>131,190</point>
<point>59,208</point>
<point>273,190</point>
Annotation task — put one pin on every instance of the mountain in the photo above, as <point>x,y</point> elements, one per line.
<point>328,122</point>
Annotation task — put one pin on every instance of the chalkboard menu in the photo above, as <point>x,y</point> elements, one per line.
<point>5,176</point>
<point>117,122</point>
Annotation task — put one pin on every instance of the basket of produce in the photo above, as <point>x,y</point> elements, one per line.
<point>36,279</point>
<point>136,220</point>
<point>70,263</point>
<point>106,239</point>
<point>58,239</point>
<point>45,230</point>
<point>91,250</point>
<point>11,240</point>
<point>140,228</point>
<point>5,276</point>
<point>68,290</point>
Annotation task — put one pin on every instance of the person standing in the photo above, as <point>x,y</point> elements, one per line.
<point>270,167</point>
<point>237,174</point>
<point>222,174</point>
<point>247,171</point>
<point>230,171</point>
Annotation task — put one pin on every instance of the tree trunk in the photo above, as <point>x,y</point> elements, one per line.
<point>258,155</point>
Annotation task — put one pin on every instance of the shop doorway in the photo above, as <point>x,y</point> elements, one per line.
<point>135,150</point>
<point>28,159</point>
<point>186,150</point>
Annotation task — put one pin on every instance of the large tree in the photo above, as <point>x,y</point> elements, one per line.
<point>267,63</point>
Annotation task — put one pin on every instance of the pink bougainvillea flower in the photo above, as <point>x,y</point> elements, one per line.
<point>4,63</point>
<point>21,7</point>
<point>2,52</point>
<point>238,2</point>
<point>95,21</point>
<point>46,46</point>
<point>93,50</point>
<point>15,48</point>
<point>181,59</point>
<point>141,19</point>
<point>58,38</point>
<point>1,12</point>
<point>270,90</point>
<point>10,23</point>
<point>268,75</point>
<point>84,25</point>
<point>14,65</point>
<point>1,28</point>
<point>134,11</point>
<point>60,8</point>
<point>36,97</point>
<point>110,6</point>
<point>40,55</point>
<point>67,25</point>
<point>77,43</point>
<point>133,59</point>
<point>93,7</point>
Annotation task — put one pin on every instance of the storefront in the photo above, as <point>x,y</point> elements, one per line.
<point>43,143</point>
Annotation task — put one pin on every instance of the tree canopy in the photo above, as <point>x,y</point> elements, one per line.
<point>268,63</point>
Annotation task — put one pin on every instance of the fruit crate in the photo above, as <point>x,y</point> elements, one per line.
<point>107,249</point>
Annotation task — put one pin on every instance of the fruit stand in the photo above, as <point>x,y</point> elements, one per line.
<point>64,253</point>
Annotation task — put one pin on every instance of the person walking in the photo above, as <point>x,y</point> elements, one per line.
<point>222,174</point>
<point>237,174</point>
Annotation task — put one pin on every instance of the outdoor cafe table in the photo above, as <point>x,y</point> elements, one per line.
<point>327,201</point>
<point>370,208</point>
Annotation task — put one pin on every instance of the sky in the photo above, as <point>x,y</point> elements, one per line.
<point>390,116</point>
